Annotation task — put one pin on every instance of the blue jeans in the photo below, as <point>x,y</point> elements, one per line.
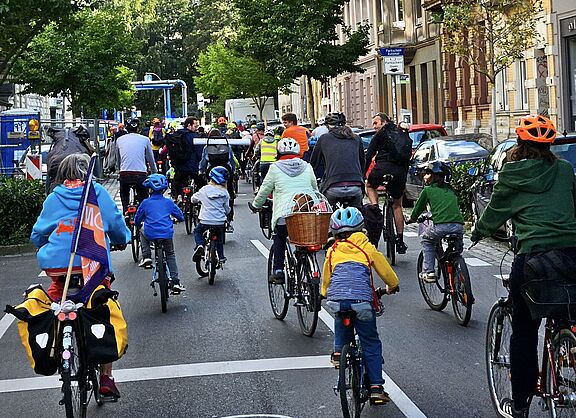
<point>168,245</point>
<point>365,325</point>
<point>432,236</point>
<point>199,237</point>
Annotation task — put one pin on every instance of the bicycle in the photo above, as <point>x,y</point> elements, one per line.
<point>353,385</point>
<point>190,209</point>
<point>453,279</point>
<point>209,262</point>
<point>556,385</point>
<point>265,219</point>
<point>134,231</point>
<point>388,232</point>
<point>160,275</point>
<point>256,176</point>
<point>248,171</point>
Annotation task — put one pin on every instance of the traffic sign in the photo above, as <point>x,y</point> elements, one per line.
<point>391,52</point>
<point>394,64</point>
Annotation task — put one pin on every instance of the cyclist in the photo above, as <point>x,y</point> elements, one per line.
<point>214,211</point>
<point>156,214</point>
<point>53,231</point>
<point>135,151</point>
<point>186,169</point>
<point>446,214</point>
<point>286,177</point>
<point>156,135</point>
<point>538,192</point>
<point>382,147</point>
<point>347,283</point>
<point>341,154</point>
<point>297,132</point>
<point>267,153</point>
<point>255,140</point>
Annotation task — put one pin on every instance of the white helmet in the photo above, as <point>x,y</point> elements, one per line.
<point>288,146</point>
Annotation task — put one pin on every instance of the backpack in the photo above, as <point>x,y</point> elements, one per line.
<point>157,137</point>
<point>66,141</point>
<point>178,147</point>
<point>218,154</point>
<point>402,144</point>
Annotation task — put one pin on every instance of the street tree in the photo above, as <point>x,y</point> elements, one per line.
<point>84,61</point>
<point>224,74</point>
<point>489,35</point>
<point>299,37</point>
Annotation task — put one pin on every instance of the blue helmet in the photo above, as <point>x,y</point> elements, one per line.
<point>156,182</point>
<point>219,175</point>
<point>443,170</point>
<point>348,219</point>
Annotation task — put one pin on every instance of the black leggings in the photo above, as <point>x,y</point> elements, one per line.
<point>126,182</point>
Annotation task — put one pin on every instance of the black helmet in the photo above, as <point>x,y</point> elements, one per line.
<point>132,124</point>
<point>440,169</point>
<point>335,119</point>
<point>260,126</point>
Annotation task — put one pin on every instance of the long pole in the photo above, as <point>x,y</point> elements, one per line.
<point>394,106</point>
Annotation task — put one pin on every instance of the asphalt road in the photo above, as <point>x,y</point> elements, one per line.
<point>219,352</point>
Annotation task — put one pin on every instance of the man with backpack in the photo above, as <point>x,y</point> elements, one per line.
<point>156,135</point>
<point>392,148</point>
<point>185,155</point>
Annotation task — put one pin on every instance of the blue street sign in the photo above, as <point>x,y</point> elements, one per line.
<point>391,52</point>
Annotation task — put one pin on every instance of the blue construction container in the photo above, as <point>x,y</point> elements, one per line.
<point>14,137</point>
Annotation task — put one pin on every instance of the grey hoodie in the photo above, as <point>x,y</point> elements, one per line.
<point>215,206</point>
<point>292,167</point>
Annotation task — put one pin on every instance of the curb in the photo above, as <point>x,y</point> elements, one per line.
<point>16,250</point>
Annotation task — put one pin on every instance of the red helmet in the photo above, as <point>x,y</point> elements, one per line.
<point>536,128</point>
<point>222,120</point>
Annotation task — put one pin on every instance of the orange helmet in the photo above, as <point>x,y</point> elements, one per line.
<point>222,120</point>
<point>155,121</point>
<point>120,125</point>
<point>536,128</point>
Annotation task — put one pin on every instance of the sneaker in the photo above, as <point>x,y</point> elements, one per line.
<point>146,263</point>
<point>178,288</point>
<point>108,387</point>
<point>222,260</point>
<point>507,406</point>
<point>401,247</point>
<point>229,228</point>
<point>198,253</point>
<point>378,396</point>
<point>276,278</point>
<point>428,276</point>
<point>335,359</point>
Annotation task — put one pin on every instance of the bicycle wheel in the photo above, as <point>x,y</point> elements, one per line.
<point>161,277</point>
<point>277,292</point>
<point>308,295</point>
<point>74,386</point>
<point>213,263</point>
<point>561,375</point>
<point>389,235</point>
<point>498,333</point>
<point>462,298</point>
<point>188,218</point>
<point>434,293</point>
<point>349,383</point>
<point>135,242</point>
<point>195,211</point>
<point>202,265</point>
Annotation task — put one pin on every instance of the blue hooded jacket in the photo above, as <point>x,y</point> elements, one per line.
<point>190,165</point>
<point>53,230</point>
<point>155,213</point>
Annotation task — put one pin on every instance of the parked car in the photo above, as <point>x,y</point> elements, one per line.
<point>487,175</point>
<point>418,133</point>
<point>447,149</point>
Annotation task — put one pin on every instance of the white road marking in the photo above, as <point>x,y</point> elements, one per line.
<point>400,399</point>
<point>502,276</point>
<point>42,274</point>
<point>476,262</point>
<point>410,234</point>
<point>180,370</point>
<point>5,323</point>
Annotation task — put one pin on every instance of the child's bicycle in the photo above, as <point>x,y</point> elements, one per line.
<point>134,231</point>
<point>556,386</point>
<point>161,275</point>
<point>209,263</point>
<point>453,279</point>
<point>353,385</point>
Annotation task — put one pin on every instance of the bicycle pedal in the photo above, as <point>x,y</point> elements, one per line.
<point>175,292</point>
<point>108,398</point>
<point>376,402</point>
<point>298,303</point>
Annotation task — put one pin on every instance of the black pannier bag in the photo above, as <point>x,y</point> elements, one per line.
<point>550,286</point>
<point>373,222</point>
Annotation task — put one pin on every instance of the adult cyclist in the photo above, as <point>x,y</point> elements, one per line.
<point>341,154</point>
<point>537,191</point>
<point>135,152</point>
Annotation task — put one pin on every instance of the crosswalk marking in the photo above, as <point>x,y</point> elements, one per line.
<point>410,234</point>
<point>476,262</point>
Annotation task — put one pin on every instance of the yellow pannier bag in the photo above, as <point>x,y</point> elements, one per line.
<point>104,328</point>
<point>37,326</point>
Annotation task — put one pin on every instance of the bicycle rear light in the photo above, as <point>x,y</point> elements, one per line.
<point>131,209</point>
<point>314,248</point>
<point>186,190</point>
<point>346,322</point>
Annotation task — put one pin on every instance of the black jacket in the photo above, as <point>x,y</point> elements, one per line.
<point>341,154</point>
<point>382,147</point>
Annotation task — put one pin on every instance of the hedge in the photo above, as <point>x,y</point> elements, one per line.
<point>462,184</point>
<point>20,204</point>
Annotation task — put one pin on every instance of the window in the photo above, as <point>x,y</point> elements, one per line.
<point>418,9</point>
<point>422,154</point>
<point>399,10</point>
<point>501,90</point>
<point>521,90</point>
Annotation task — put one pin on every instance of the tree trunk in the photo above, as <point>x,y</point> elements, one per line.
<point>260,103</point>
<point>310,102</point>
<point>493,117</point>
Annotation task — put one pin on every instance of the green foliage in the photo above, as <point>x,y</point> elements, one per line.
<point>84,60</point>
<point>461,184</point>
<point>20,204</point>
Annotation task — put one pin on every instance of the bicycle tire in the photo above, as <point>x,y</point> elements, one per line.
<point>498,333</point>
<point>462,298</point>
<point>188,219</point>
<point>74,386</point>
<point>349,383</point>
<point>195,212</point>
<point>389,235</point>
<point>213,262</point>
<point>562,403</point>
<point>135,242</point>
<point>308,293</point>
<point>202,265</point>
<point>161,277</point>
<point>434,294</point>
<point>277,292</point>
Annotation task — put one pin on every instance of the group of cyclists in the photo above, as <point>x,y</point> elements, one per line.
<point>535,189</point>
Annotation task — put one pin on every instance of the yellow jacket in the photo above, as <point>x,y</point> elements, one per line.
<point>343,252</point>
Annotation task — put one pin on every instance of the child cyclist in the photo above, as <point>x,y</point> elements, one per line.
<point>445,214</point>
<point>214,210</point>
<point>156,214</point>
<point>347,283</point>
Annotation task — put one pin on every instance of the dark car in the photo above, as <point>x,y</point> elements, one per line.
<point>418,133</point>
<point>447,149</point>
<point>487,175</point>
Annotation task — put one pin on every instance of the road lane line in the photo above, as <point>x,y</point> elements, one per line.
<point>5,323</point>
<point>476,262</point>
<point>410,234</point>
<point>181,370</point>
<point>502,276</point>
<point>400,399</point>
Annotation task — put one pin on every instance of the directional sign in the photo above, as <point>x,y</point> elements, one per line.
<point>394,64</point>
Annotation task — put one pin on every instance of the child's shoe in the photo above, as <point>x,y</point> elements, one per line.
<point>378,396</point>
<point>428,276</point>
<point>335,359</point>
<point>177,288</point>
<point>108,387</point>
<point>146,263</point>
<point>198,253</point>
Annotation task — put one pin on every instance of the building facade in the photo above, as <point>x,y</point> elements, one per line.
<point>563,20</point>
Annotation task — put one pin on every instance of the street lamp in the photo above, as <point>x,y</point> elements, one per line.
<point>148,76</point>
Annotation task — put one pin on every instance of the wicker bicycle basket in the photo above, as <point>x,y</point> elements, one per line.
<point>308,228</point>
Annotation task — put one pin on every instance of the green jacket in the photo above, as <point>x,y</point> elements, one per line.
<point>443,205</point>
<point>540,198</point>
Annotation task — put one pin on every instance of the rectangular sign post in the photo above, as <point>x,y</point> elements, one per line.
<point>393,65</point>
